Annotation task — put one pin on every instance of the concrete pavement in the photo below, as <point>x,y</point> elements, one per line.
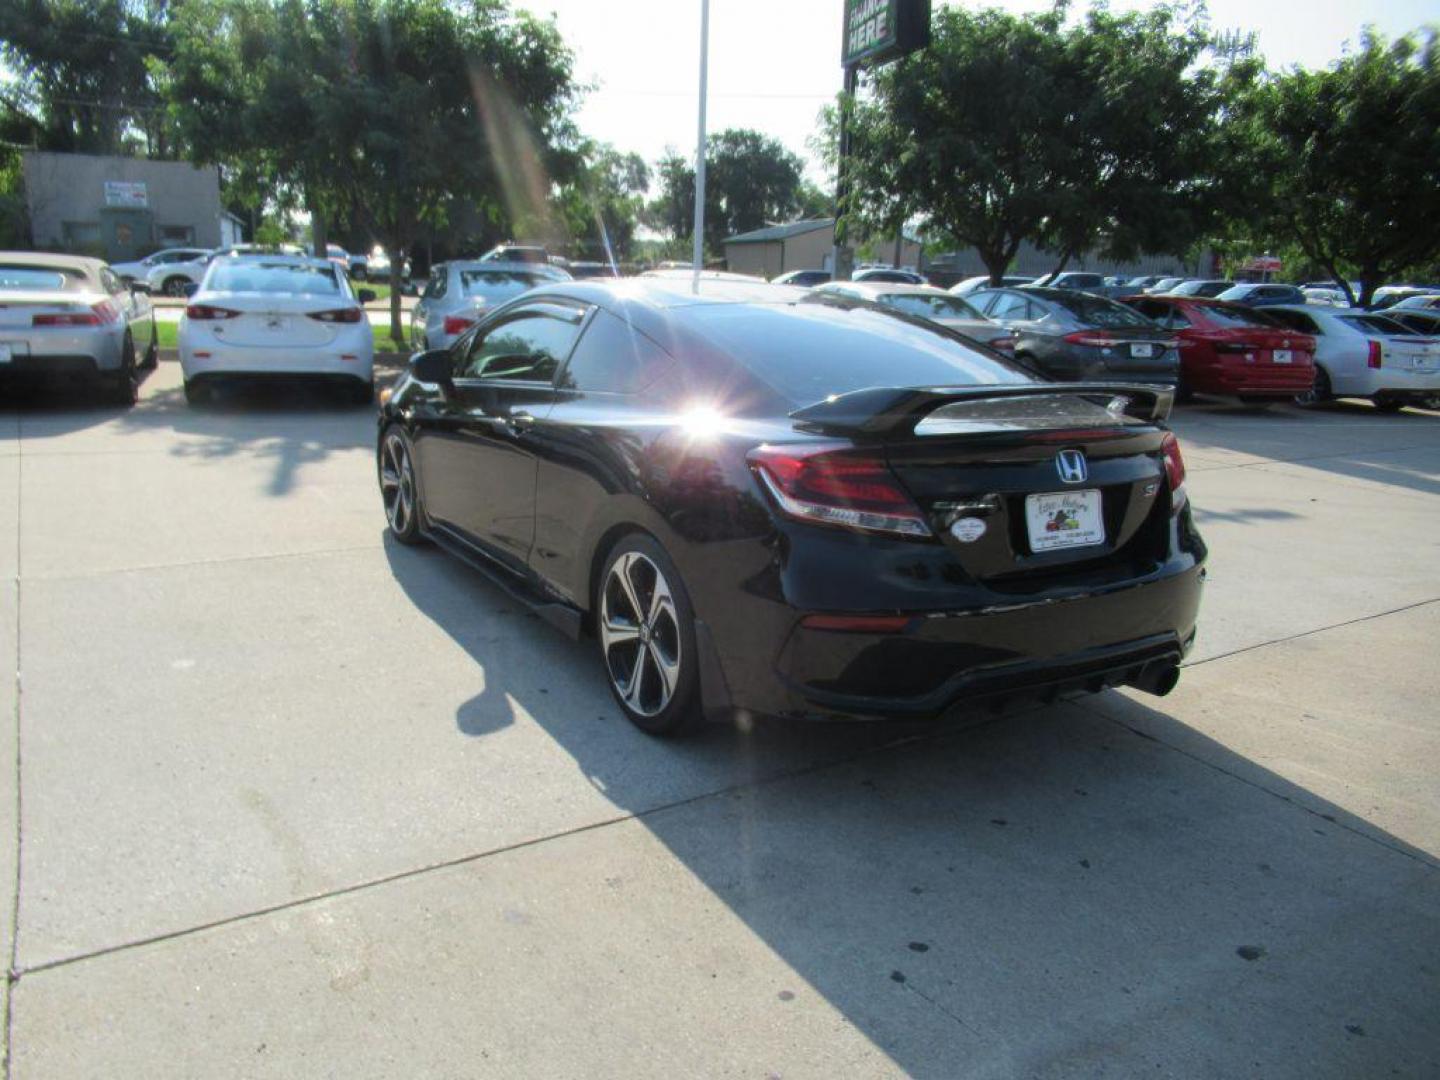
<point>295,802</point>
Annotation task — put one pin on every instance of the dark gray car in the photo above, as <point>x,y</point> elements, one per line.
<point>1072,335</point>
<point>1262,294</point>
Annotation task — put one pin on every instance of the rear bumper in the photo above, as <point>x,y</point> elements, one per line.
<point>1100,639</point>
<point>63,352</point>
<point>1398,383</point>
<point>1238,377</point>
<point>338,360</point>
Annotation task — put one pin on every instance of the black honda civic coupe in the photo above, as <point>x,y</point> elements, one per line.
<point>761,499</point>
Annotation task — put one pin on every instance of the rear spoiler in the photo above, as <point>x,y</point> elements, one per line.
<point>882,410</point>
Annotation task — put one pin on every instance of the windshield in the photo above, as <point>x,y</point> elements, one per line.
<point>810,350</point>
<point>40,278</point>
<point>497,284</point>
<point>928,306</point>
<point>1097,311</point>
<point>245,276</point>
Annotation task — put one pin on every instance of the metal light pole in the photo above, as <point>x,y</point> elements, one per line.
<point>699,255</point>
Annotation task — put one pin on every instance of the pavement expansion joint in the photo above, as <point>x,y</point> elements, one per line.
<point>17,972</point>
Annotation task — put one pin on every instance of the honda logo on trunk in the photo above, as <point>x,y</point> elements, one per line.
<point>1070,464</point>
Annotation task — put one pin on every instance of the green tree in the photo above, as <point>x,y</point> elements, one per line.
<point>1344,163</point>
<point>86,73</point>
<point>1089,137</point>
<point>390,112</point>
<point>751,180</point>
<point>605,202</point>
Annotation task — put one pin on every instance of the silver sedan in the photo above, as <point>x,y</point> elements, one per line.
<point>926,302</point>
<point>66,316</point>
<point>457,294</point>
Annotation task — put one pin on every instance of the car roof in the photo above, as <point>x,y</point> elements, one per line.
<point>251,257</point>
<point>82,263</point>
<point>501,266</point>
<point>888,288</point>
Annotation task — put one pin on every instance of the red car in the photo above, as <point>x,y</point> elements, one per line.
<point>1232,350</point>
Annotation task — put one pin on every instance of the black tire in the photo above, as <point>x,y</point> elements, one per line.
<point>399,485</point>
<point>362,393</point>
<point>1389,405</point>
<point>195,393</point>
<point>1320,393</point>
<point>152,351</point>
<point>175,286</point>
<point>1183,394</point>
<point>642,636</point>
<point>122,387</point>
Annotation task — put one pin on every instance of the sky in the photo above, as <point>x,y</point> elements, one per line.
<point>775,63</point>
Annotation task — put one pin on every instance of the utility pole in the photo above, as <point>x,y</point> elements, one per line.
<point>699,250</point>
<point>842,257</point>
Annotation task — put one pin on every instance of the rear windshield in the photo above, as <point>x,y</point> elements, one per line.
<point>931,307</point>
<point>1097,311</point>
<point>1234,315</point>
<point>497,284</point>
<point>810,350</point>
<point>239,276</point>
<point>1376,324</point>
<point>39,278</point>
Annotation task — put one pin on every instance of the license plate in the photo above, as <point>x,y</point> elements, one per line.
<point>1064,519</point>
<point>277,324</point>
<point>1281,356</point>
<point>1142,351</point>
<point>5,354</point>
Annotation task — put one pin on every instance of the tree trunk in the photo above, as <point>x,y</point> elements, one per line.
<point>318,234</point>
<point>1065,257</point>
<point>1370,279</point>
<point>996,262</point>
<point>397,274</point>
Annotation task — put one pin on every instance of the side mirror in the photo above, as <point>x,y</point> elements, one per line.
<point>367,296</point>
<point>189,289</point>
<point>140,287</point>
<point>432,367</point>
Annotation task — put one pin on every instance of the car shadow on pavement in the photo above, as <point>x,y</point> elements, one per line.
<point>292,425</point>
<point>1087,888</point>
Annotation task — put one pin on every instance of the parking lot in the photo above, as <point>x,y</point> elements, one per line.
<point>284,799</point>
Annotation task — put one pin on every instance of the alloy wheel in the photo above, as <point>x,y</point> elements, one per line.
<point>397,484</point>
<point>640,634</point>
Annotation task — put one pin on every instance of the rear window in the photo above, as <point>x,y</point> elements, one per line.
<point>1376,324</point>
<point>496,284</point>
<point>930,307</point>
<point>810,350</point>
<point>25,278</point>
<point>1097,311</point>
<point>1296,320</point>
<point>242,276</point>
<point>1234,315</point>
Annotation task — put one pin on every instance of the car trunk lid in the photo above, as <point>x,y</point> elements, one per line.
<point>272,320</point>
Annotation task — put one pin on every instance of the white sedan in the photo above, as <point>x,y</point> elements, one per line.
<point>1367,355</point>
<point>277,317</point>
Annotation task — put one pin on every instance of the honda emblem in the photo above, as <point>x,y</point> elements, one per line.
<point>1070,464</point>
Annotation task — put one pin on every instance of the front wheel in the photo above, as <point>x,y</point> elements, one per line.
<point>398,489</point>
<point>646,628</point>
<point>175,286</point>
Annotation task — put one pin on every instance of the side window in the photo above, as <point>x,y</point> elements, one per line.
<point>530,347</point>
<point>110,282</point>
<point>435,287</point>
<point>1167,315</point>
<point>1010,306</point>
<point>614,357</point>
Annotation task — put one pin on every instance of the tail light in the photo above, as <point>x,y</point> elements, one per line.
<point>1089,337</point>
<point>206,311</point>
<point>1374,360</point>
<point>338,315</point>
<point>836,484</point>
<point>457,324</point>
<point>1174,471</point>
<point>98,315</point>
